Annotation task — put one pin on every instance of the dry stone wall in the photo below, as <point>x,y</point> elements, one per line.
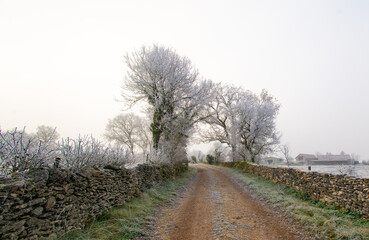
<point>346,192</point>
<point>47,202</point>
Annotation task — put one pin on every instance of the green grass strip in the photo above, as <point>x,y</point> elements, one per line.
<point>130,219</point>
<point>326,222</point>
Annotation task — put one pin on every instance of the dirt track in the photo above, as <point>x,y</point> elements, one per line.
<point>216,207</point>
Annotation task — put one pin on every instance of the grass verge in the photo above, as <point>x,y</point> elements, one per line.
<point>130,220</point>
<point>326,222</point>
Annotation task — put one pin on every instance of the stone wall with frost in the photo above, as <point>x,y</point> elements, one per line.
<point>45,202</point>
<point>346,192</point>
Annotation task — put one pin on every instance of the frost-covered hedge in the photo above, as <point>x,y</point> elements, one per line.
<point>20,152</point>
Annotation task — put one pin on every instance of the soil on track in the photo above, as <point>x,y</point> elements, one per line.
<point>216,207</point>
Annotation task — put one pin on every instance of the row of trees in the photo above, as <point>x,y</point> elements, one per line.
<point>177,100</point>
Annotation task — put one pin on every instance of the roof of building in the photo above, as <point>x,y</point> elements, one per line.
<point>306,155</point>
<point>331,157</point>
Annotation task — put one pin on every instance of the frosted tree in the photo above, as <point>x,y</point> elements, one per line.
<point>285,150</point>
<point>172,88</point>
<point>47,133</point>
<point>256,124</point>
<point>219,151</point>
<point>222,121</point>
<point>144,139</point>
<point>128,130</point>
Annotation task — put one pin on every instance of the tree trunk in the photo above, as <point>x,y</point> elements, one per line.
<point>156,129</point>
<point>234,152</point>
<point>252,158</point>
<point>156,132</point>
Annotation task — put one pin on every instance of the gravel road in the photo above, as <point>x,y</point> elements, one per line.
<point>214,206</point>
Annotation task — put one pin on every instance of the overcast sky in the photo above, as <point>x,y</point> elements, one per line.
<point>61,62</point>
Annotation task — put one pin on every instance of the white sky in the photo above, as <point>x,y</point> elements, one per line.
<point>61,62</point>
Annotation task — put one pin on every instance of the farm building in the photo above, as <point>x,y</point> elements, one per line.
<point>303,158</point>
<point>328,159</point>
